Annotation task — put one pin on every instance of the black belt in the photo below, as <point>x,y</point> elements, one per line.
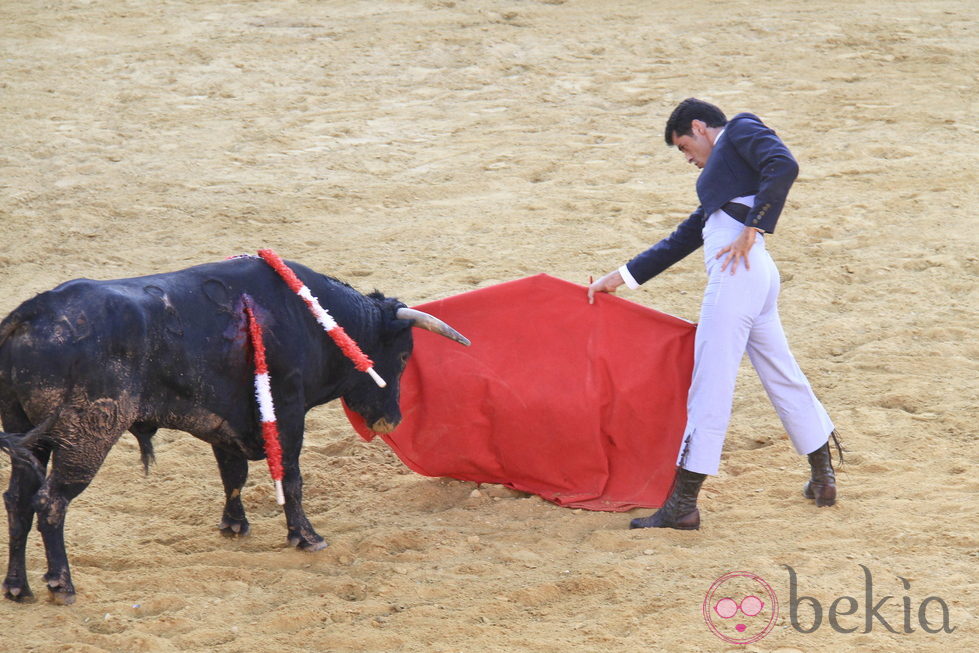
<point>737,211</point>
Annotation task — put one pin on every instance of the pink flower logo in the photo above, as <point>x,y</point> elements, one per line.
<point>740,607</point>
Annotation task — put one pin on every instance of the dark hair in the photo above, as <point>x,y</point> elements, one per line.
<point>689,110</point>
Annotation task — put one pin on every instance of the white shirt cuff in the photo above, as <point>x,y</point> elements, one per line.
<point>630,281</point>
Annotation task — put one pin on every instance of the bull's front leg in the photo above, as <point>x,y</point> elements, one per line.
<point>301,533</point>
<point>234,472</point>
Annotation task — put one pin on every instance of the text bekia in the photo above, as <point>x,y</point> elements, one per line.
<point>878,610</point>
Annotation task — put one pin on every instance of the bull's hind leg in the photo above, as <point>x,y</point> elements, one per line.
<point>18,499</point>
<point>83,442</point>
<point>234,472</point>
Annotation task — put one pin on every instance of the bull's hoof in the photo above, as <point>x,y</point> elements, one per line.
<point>307,544</point>
<point>314,546</point>
<point>20,593</point>
<point>62,598</point>
<point>61,595</point>
<point>234,527</point>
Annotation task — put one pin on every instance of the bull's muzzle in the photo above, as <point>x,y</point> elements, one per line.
<point>384,426</point>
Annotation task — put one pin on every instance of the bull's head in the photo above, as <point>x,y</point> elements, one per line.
<point>379,406</point>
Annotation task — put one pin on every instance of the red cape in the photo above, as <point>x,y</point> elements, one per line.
<point>581,404</point>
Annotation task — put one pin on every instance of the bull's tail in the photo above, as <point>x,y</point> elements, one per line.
<point>18,445</point>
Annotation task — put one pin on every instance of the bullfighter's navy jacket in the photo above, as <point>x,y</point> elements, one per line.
<point>748,159</point>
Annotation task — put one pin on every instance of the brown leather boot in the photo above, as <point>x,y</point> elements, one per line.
<point>680,510</point>
<point>822,485</point>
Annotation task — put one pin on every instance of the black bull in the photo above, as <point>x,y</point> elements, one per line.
<point>85,362</point>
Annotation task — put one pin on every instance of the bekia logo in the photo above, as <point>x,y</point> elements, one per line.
<point>932,614</point>
<point>741,608</point>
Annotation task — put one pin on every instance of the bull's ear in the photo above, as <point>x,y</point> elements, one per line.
<point>393,325</point>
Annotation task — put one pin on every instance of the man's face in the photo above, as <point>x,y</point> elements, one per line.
<point>695,146</point>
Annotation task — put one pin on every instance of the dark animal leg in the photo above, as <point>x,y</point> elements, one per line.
<point>51,504</point>
<point>74,464</point>
<point>18,499</point>
<point>234,472</point>
<point>301,533</point>
<point>20,517</point>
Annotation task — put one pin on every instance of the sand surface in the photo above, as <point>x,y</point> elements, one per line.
<point>426,148</point>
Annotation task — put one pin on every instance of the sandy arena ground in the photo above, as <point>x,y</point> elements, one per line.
<point>428,147</point>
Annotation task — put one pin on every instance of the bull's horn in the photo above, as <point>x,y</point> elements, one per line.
<point>431,323</point>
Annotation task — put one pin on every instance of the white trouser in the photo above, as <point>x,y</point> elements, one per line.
<point>740,313</point>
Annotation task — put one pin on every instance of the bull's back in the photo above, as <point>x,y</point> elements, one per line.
<point>182,334</point>
<point>124,318</point>
<point>173,343</point>
<point>81,326</point>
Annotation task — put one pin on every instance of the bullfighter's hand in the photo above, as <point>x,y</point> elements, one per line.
<point>608,283</point>
<point>739,250</point>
